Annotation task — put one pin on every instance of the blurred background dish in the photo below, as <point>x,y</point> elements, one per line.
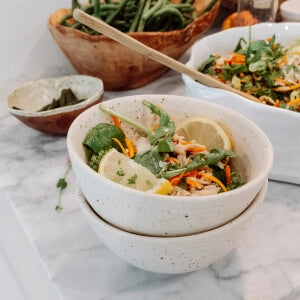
<point>290,11</point>
<point>119,67</point>
<point>50,105</point>
<point>279,124</point>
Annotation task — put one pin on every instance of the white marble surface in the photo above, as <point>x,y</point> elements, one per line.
<point>266,265</point>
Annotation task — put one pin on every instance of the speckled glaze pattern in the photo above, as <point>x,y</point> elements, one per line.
<point>160,215</point>
<point>173,255</point>
<point>34,95</point>
<point>276,123</point>
<point>118,66</point>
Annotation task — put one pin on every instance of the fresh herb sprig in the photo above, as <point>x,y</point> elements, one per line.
<point>61,185</point>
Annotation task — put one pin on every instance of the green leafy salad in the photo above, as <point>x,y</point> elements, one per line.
<point>262,68</point>
<point>187,166</point>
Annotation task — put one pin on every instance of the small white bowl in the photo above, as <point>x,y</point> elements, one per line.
<point>173,255</point>
<point>290,11</point>
<point>160,215</point>
<point>34,95</point>
<point>278,124</point>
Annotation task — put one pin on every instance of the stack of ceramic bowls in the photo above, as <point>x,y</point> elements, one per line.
<point>172,234</point>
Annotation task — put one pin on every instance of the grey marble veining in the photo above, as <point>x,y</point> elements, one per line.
<point>266,265</point>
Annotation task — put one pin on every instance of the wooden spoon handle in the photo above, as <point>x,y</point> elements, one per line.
<point>139,47</point>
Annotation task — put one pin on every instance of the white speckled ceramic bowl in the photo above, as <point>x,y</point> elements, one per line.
<point>278,124</point>
<point>160,215</point>
<point>173,254</point>
<point>34,95</point>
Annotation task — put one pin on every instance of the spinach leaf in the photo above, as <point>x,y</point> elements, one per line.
<point>239,46</point>
<point>219,173</point>
<point>207,63</point>
<point>100,137</point>
<point>236,181</point>
<point>201,160</point>
<point>166,127</point>
<point>94,159</point>
<point>150,159</point>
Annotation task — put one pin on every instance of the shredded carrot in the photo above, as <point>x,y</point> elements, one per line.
<point>121,146</point>
<point>128,142</point>
<point>214,179</point>
<point>196,149</point>
<point>293,102</point>
<point>154,126</point>
<point>288,88</point>
<point>176,179</point>
<point>116,121</point>
<point>129,146</point>
<point>238,58</point>
<point>227,171</point>
<point>185,143</point>
<point>282,60</point>
<point>282,81</point>
<point>193,183</point>
<point>172,159</point>
<point>277,102</point>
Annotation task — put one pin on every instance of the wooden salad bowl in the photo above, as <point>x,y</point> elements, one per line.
<point>119,67</point>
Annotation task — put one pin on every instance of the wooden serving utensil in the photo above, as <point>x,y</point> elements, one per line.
<point>167,61</point>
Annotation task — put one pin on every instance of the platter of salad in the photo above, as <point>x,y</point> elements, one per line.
<point>264,61</point>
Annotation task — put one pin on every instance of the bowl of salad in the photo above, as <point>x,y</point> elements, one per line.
<point>264,61</point>
<point>170,27</point>
<point>165,165</point>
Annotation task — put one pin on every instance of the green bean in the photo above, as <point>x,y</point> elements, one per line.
<point>65,18</point>
<point>137,17</point>
<point>109,6</point>
<point>182,7</point>
<point>209,6</point>
<point>142,22</point>
<point>75,4</point>
<point>111,18</point>
<point>153,9</point>
<point>96,9</point>
<point>77,25</point>
<point>170,12</point>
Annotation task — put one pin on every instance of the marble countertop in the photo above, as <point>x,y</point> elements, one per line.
<point>266,265</point>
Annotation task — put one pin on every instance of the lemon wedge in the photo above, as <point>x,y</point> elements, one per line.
<point>205,131</point>
<point>121,169</point>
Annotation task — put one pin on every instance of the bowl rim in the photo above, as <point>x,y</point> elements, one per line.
<point>59,110</point>
<point>89,211</point>
<point>73,154</point>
